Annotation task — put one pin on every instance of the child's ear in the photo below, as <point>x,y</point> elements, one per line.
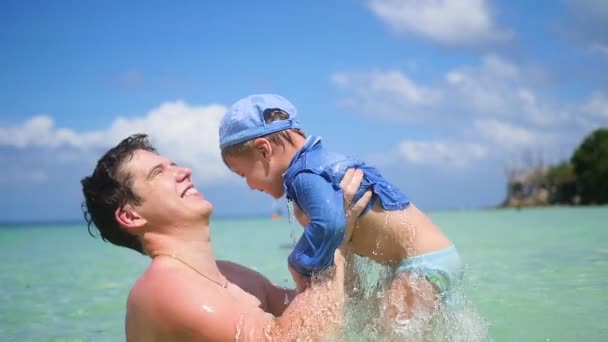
<point>263,147</point>
<point>129,218</point>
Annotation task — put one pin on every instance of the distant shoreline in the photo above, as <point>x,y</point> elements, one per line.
<point>82,221</point>
<point>16,224</point>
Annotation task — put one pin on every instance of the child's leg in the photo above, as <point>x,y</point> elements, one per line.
<point>410,302</point>
<point>421,284</point>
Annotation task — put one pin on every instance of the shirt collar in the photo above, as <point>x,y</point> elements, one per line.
<point>310,142</point>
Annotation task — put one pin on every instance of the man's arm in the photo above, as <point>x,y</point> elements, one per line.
<point>165,307</point>
<point>278,298</point>
<point>273,298</point>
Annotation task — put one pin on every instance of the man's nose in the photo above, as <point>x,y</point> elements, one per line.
<point>183,173</point>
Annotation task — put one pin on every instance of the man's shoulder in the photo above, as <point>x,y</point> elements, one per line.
<point>163,286</point>
<point>151,286</point>
<point>147,304</point>
<point>169,301</point>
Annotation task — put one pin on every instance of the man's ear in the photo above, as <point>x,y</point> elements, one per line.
<point>263,147</point>
<point>127,217</point>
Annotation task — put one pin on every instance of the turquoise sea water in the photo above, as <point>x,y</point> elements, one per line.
<point>533,275</point>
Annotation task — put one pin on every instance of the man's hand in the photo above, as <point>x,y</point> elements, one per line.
<point>350,184</point>
<point>301,281</point>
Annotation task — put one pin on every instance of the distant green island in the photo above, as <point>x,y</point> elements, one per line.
<point>581,180</point>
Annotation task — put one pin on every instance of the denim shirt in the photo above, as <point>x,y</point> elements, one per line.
<point>312,181</point>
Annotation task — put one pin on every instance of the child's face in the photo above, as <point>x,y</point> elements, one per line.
<point>258,172</point>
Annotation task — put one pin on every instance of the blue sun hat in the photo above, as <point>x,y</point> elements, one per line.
<point>244,120</point>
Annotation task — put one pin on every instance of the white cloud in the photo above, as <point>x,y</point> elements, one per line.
<point>450,22</point>
<point>495,88</point>
<point>443,153</point>
<point>597,105</point>
<point>188,134</point>
<point>395,83</point>
<point>599,49</point>
<point>494,105</point>
<point>498,88</point>
<point>477,94</point>
<point>490,89</point>
<point>498,67</point>
<point>378,93</point>
<point>391,83</point>
<point>509,136</point>
<point>40,131</point>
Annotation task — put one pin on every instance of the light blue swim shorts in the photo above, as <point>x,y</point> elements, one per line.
<point>441,268</point>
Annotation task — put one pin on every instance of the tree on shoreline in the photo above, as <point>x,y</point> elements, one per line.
<point>590,163</point>
<point>560,180</point>
<point>581,180</point>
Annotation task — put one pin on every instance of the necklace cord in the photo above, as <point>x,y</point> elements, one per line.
<point>173,256</point>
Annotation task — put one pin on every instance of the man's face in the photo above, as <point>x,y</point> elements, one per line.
<point>168,195</point>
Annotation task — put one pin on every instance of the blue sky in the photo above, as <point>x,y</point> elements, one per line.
<point>442,96</point>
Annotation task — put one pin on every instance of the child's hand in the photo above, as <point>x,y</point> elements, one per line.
<point>350,183</point>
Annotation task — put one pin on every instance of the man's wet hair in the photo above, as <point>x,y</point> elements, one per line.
<point>279,138</point>
<point>111,187</point>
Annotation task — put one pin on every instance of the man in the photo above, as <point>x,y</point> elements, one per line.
<point>141,200</point>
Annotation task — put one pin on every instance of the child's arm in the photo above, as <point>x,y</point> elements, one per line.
<point>323,203</point>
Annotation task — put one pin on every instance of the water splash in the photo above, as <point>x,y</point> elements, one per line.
<point>455,320</point>
<point>291,216</point>
<point>250,331</point>
<point>410,232</point>
<point>239,326</point>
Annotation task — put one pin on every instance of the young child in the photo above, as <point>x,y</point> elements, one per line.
<point>262,140</point>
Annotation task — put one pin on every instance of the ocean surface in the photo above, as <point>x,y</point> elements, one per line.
<point>532,275</point>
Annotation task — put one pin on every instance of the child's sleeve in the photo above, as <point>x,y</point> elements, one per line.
<point>324,205</point>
